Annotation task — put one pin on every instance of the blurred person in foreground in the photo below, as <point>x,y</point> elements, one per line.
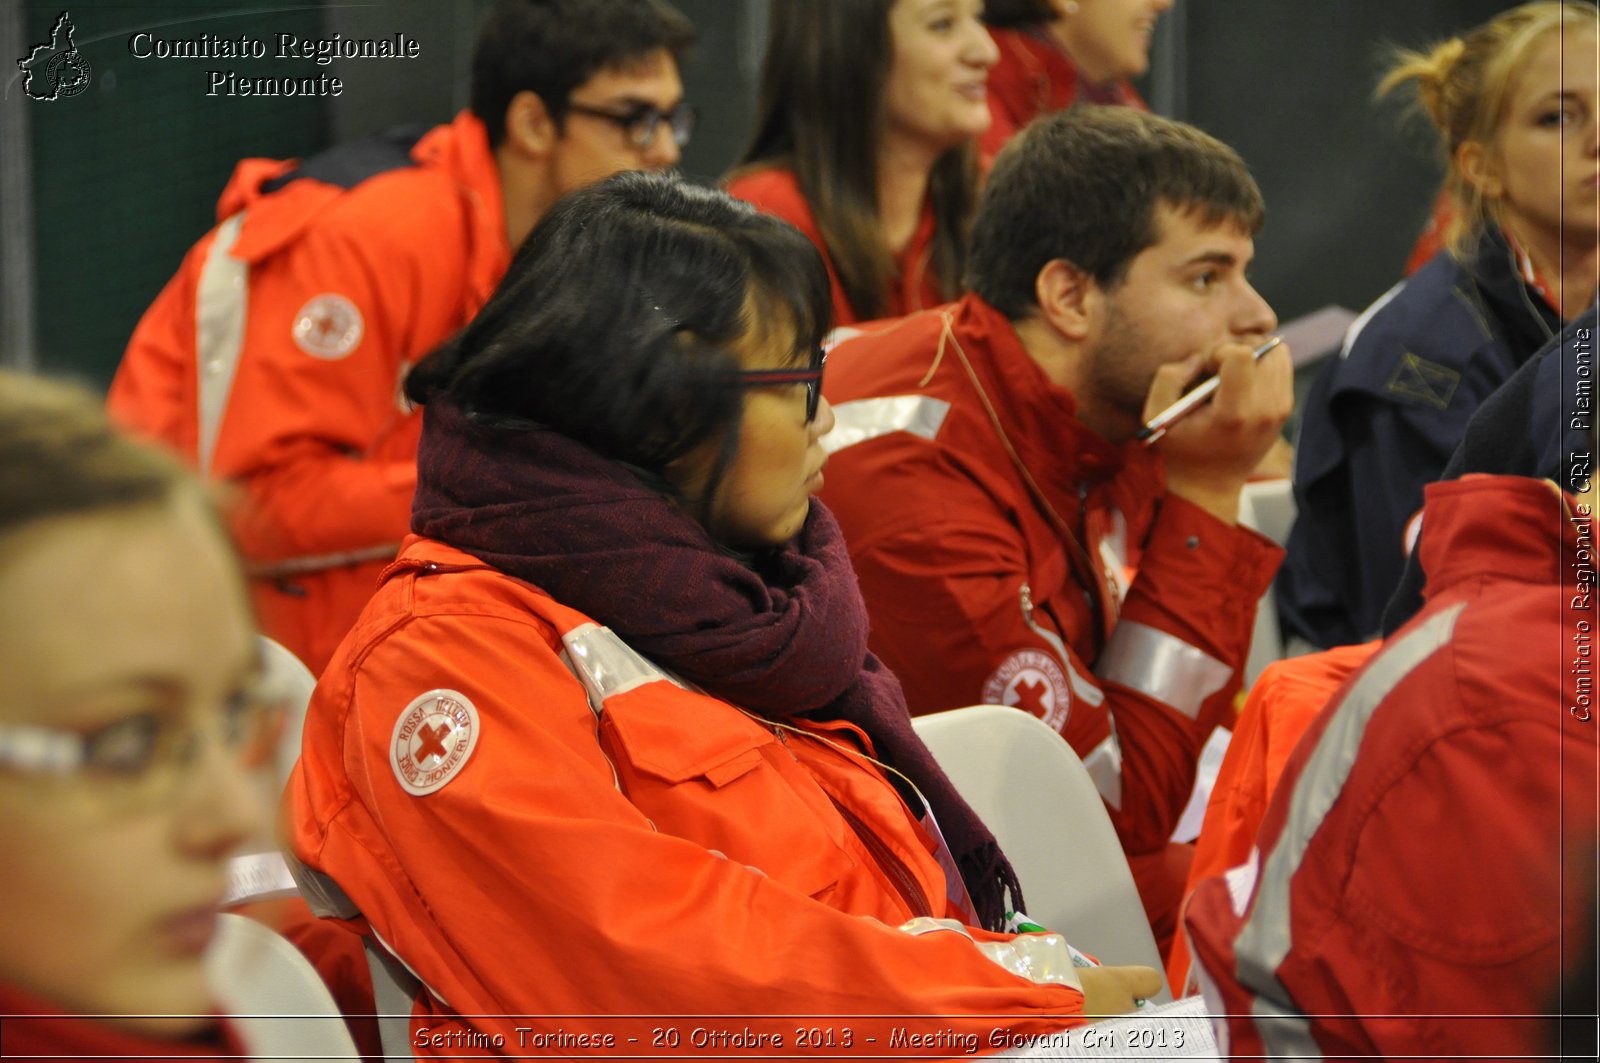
<point>135,715</point>
<point>1405,896</point>
<point>1426,830</point>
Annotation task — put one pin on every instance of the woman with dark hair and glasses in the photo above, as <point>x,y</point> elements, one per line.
<point>608,741</point>
<point>134,708</point>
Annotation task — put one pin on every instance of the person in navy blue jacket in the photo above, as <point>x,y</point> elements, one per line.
<point>1516,106</point>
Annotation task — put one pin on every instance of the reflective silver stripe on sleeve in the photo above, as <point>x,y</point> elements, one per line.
<point>864,419</point>
<point>1264,940</point>
<point>1162,666</point>
<point>607,666</point>
<point>1104,765</point>
<point>219,333</point>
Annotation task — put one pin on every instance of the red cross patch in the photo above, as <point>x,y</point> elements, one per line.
<point>432,740</point>
<point>1032,681</point>
<point>329,326</point>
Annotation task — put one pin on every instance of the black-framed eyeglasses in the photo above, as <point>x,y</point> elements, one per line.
<point>641,120</point>
<point>810,377</point>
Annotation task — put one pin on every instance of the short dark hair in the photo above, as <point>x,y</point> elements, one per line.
<point>550,47</point>
<point>1083,185</point>
<point>1009,13</point>
<point>617,322</point>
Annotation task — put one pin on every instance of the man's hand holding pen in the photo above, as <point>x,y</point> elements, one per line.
<point>1210,452</point>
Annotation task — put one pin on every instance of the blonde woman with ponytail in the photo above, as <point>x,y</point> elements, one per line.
<point>1515,103</point>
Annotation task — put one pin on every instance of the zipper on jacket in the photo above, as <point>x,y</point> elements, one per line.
<point>893,868</point>
<point>1026,594</point>
<point>898,874</point>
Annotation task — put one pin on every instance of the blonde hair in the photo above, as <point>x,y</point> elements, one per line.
<point>1462,84</point>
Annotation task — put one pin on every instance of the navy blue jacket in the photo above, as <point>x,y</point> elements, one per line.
<point>1541,423</point>
<point>1382,420</point>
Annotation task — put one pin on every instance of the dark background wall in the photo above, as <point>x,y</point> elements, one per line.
<point>1348,182</point>
<point>119,181</point>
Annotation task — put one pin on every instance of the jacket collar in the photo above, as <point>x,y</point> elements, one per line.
<point>462,147</point>
<point>1039,417</point>
<point>1522,309</point>
<point>1506,527</point>
<point>419,553</point>
<point>43,1029</point>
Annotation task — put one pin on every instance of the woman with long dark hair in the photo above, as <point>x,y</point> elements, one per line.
<point>866,141</point>
<point>608,740</point>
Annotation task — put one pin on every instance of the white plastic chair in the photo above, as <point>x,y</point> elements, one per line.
<point>394,985</point>
<point>1268,507</point>
<point>1033,792</point>
<point>284,668</point>
<point>273,996</point>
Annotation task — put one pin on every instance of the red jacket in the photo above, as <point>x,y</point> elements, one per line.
<point>303,310</point>
<point>41,1031</point>
<point>980,588</point>
<point>1405,896</point>
<point>1119,616</point>
<point>776,192</point>
<point>548,829</point>
<point>1035,76</point>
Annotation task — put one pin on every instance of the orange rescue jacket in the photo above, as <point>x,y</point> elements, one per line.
<point>588,848</point>
<point>274,357</point>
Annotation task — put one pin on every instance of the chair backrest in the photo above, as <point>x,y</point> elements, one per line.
<point>284,668</point>
<point>394,985</point>
<point>1268,507</point>
<point>1031,789</point>
<point>274,997</point>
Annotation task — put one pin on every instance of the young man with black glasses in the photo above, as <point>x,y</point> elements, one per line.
<point>275,357</point>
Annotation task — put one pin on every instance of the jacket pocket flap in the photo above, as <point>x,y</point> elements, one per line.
<point>675,735</point>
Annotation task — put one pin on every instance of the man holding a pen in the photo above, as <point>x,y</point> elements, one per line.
<point>1017,542</point>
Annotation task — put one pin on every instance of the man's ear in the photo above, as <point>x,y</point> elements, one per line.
<point>1069,299</point>
<point>530,130</point>
<point>1479,169</point>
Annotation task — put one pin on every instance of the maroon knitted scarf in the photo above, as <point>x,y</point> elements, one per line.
<point>783,634</point>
